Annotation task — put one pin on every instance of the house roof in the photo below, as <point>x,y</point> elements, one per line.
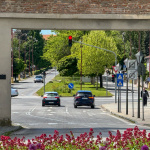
<point>47,36</point>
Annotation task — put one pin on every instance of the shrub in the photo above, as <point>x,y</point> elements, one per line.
<point>132,138</point>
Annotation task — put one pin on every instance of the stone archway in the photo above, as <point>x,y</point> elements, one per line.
<point>53,21</point>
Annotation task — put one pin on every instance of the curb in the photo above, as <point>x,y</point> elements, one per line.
<point>117,115</point>
<point>7,130</point>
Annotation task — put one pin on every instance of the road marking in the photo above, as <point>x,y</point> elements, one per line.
<point>15,112</point>
<point>52,123</point>
<point>49,110</point>
<point>30,111</point>
<point>50,114</point>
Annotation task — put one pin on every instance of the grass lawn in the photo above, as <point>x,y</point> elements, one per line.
<point>60,85</point>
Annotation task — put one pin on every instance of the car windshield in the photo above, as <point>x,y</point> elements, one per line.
<point>84,94</point>
<point>51,94</point>
<point>38,77</point>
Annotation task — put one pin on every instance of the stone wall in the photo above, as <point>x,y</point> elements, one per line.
<point>76,6</point>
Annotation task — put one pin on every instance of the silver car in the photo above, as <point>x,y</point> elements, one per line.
<point>14,92</point>
<point>38,78</point>
<point>51,98</point>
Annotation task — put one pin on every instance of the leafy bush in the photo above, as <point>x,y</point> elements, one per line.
<point>132,138</point>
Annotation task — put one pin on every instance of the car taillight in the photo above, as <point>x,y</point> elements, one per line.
<point>44,97</point>
<point>77,97</point>
<point>91,97</point>
<point>56,97</point>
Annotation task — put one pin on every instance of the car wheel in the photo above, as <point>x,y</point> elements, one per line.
<point>34,82</point>
<point>43,104</point>
<point>59,104</point>
<point>75,106</point>
<point>92,106</point>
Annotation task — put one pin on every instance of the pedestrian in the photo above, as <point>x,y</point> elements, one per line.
<point>145,95</point>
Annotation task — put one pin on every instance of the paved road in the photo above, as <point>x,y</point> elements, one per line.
<point>28,112</point>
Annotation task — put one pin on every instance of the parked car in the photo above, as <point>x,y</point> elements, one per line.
<point>84,98</point>
<point>14,92</point>
<point>51,98</point>
<point>38,78</point>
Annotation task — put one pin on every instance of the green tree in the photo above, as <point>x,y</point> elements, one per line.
<point>57,46</point>
<point>94,60</point>
<point>67,66</point>
<point>18,66</point>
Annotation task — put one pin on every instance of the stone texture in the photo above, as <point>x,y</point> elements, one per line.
<point>76,6</point>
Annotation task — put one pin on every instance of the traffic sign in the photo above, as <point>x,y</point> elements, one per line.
<point>118,66</point>
<point>132,74</point>
<point>70,85</point>
<point>124,67</point>
<point>132,65</point>
<point>119,83</point>
<point>119,79</point>
<point>119,76</point>
<point>115,69</point>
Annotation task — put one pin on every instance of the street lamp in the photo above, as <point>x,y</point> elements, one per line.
<point>139,57</point>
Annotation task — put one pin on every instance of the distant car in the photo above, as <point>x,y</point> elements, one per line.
<point>84,98</point>
<point>14,92</point>
<point>51,98</point>
<point>38,78</point>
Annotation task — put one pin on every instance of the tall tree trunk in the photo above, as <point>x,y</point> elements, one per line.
<point>93,80</point>
<point>97,83</point>
<point>101,80</point>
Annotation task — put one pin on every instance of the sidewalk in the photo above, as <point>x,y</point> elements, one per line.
<point>113,109</point>
<point>4,130</point>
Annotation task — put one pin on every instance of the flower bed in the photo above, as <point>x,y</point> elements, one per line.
<point>132,138</point>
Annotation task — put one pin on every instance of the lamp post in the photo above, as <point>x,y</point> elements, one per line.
<point>81,66</point>
<point>139,57</point>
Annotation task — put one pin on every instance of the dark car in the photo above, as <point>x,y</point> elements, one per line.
<point>84,98</point>
<point>51,98</point>
<point>38,78</point>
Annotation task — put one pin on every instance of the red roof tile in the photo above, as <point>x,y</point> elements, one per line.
<point>47,36</point>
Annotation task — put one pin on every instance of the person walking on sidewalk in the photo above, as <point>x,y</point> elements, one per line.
<point>145,95</point>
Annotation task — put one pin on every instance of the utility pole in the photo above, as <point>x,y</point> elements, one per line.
<point>149,54</point>
<point>138,114</point>
<point>81,65</point>
<point>32,57</point>
<point>12,56</point>
<point>29,61</point>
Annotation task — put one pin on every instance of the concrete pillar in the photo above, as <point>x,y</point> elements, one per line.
<point>5,68</point>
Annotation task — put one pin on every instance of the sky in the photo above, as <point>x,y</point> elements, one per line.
<point>46,32</point>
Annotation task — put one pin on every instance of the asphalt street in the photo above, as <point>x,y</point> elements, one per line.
<point>27,111</point>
